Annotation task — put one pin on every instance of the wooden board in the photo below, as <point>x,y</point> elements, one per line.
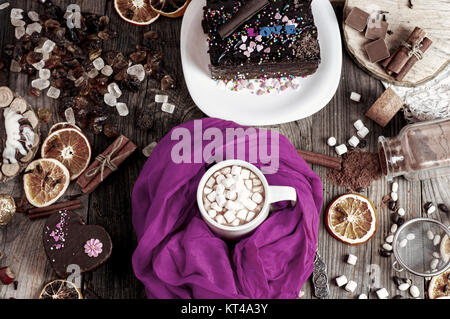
<point>430,15</point>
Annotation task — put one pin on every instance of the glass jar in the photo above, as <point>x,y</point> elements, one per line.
<point>419,152</point>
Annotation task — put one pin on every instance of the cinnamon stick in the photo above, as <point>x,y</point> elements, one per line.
<point>388,60</point>
<point>51,212</point>
<point>412,60</point>
<point>402,57</point>
<point>322,160</point>
<point>53,207</point>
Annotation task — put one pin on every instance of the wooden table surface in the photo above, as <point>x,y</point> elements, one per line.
<point>21,240</point>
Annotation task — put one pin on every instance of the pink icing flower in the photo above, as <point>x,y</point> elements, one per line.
<point>93,247</point>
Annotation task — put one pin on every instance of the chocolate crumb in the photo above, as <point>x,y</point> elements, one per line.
<point>16,284</point>
<point>359,169</point>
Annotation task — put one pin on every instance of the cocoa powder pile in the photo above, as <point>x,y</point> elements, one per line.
<point>359,169</point>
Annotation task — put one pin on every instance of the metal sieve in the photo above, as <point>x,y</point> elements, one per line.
<point>417,247</point>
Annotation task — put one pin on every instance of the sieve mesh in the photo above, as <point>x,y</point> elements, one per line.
<point>419,252</point>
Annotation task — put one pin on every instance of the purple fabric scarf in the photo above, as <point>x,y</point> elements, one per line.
<point>179,257</point>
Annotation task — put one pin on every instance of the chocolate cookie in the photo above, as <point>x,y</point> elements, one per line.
<point>68,240</point>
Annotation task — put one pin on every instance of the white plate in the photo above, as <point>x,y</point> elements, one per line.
<point>269,109</point>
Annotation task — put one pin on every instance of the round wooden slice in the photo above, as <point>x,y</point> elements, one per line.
<point>10,171</point>
<point>430,15</point>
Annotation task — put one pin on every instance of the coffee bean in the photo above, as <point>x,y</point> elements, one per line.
<point>427,205</point>
<point>397,297</point>
<point>362,143</point>
<point>385,253</point>
<point>400,221</point>
<point>392,205</point>
<point>443,208</point>
<point>394,218</point>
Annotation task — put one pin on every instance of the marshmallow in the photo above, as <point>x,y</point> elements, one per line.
<point>382,293</point>
<point>351,259</point>
<point>231,195</point>
<point>248,183</point>
<point>212,213</point>
<point>394,196</point>
<point>341,149</point>
<point>342,280</point>
<point>258,189</point>
<point>220,178</point>
<point>206,203</point>
<point>257,198</point>
<point>220,189</point>
<point>229,216</point>
<point>220,219</point>
<point>243,194</point>
<point>363,296</point>
<point>236,170</point>
<point>358,125</point>
<point>228,182</point>
<point>245,174</point>
<point>249,204</point>
<point>236,222</point>
<point>353,141</point>
<point>253,175</point>
<point>230,205</point>
<point>362,133</point>
<point>256,182</point>
<point>207,190</point>
<point>226,170</point>
<point>351,286</point>
<point>210,182</point>
<point>216,207</point>
<point>221,200</point>
<point>211,196</point>
<point>242,214</point>
<point>332,141</point>
<point>355,97</point>
<point>250,216</point>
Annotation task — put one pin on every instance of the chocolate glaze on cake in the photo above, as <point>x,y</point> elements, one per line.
<point>278,41</point>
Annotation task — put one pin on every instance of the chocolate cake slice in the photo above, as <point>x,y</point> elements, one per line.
<point>277,40</point>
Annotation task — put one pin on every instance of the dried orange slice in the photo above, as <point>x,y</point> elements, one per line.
<point>352,218</point>
<point>62,125</point>
<point>137,12</point>
<point>445,249</point>
<point>439,286</point>
<point>69,146</point>
<point>45,181</point>
<point>170,8</point>
<point>60,289</point>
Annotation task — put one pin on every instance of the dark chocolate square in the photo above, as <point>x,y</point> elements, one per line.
<point>377,50</point>
<point>376,29</point>
<point>357,19</point>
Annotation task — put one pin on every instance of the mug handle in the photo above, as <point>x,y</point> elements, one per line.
<point>282,193</point>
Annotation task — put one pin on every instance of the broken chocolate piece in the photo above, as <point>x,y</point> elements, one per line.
<point>357,19</point>
<point>376,29</point>
<point>377,50</point>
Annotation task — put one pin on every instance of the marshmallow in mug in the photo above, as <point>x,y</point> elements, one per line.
<point>233,196</point>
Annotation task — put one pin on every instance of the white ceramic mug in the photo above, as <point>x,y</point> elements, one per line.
<point>272,194</point>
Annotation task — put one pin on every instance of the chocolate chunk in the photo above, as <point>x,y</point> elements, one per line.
<point>377,50</point>
<point>248,10</point>
<point>68,240</point>
<point>357,19</point>
<point>376,29</point>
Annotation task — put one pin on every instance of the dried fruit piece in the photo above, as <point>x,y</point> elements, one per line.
<point>45,181</point>
<point>7,276</point>
<point>7,210</point>
<point>60,289</point>
<point>61,125</point>
<point>436,288</point>
<point>70,147</point>
<point>167,82</point>
<point>6,96</point>
<point>137,12</point>
<point>170,8</point>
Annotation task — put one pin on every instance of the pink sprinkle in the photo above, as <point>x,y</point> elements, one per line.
<point>243,47</point>
<point>267,50</point>
<point>285,19</point>
<point>259,38</point>
<point>278,16</point>
<point>259,47</point>
<point>252,44</point>
<point>247,54</point>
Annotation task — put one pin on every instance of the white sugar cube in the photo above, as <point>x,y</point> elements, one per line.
<point>161,98</point>
<point>228,182</point>
<point>358,125</point>
<point>236,170</point>
<point>249,204</point>
<point>53,92</point>
<point>39,65</point>
<point>353,141</point>
<point>257,198</point>
<point>341,149</point>
<point>363,296</point>
<point>168,107</point>
<point>245,174</point>
<point>33,15</point>
<point>351,286</point>
<point>351,259</point>
<point>210,182</point>
<point>248,183</point>
<point>220,219</point>
<point>33,27</point>
<point>231,195</point>
<point>235,222</point>
<point>216,207</point>
<point>332,141</point>
<point>221,200</point>
<point>230,215</point>
<point>256,182</point>
<point>122,109</point>
<point>362,133</point>
<point>207,190</point>
<point>226,170</point>
<point>220,178</point>
<point>355,97</point>
<point>220,189</point>
<point>342,280</point>
<point>212,213</point>
<point>98,63</point>
<point>382,293</point>
<point>211,196</point>
<point>242,214</point>
<point>250,216</point>
<point>107,70</point>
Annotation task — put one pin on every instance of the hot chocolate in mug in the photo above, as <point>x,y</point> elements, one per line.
<point>261,199</point>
